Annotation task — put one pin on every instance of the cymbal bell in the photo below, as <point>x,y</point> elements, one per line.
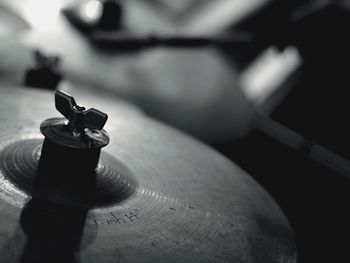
<point>160,196</point>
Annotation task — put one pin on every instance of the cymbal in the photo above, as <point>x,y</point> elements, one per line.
<point>161,196</point>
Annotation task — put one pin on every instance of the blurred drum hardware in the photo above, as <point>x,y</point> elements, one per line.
<point>45,74</point>
<point>156,194</point>
<point>164,82</point>
<point>164,17</point>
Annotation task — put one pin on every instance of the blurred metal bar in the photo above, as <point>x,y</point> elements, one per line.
<point>306,147</point>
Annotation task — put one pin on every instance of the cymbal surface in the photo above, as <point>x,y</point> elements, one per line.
<point>187,203</point>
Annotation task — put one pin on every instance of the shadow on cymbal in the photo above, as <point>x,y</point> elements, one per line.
<point>54,232</point>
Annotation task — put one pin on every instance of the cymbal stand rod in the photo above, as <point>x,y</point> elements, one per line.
<point>299,143</point>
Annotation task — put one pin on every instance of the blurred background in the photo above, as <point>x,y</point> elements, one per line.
<point>262,81</point>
